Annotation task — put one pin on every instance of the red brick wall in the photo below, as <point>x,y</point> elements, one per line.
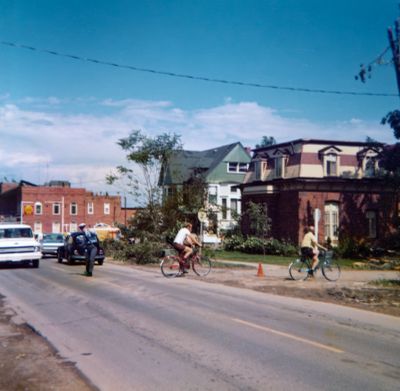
<point>47,196</point>
<point>292,211</point>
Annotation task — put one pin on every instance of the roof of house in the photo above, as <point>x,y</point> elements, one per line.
<point>184,164</point>
<point>318,141</point>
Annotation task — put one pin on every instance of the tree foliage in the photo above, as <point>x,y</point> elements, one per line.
<point>266,141</point>
<point>147,155</point>
<point>257,214</point>
<point>393,119</point>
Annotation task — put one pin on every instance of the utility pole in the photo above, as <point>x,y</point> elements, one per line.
<point>394,41</point>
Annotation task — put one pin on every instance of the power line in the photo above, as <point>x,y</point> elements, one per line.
<point>192,77</point>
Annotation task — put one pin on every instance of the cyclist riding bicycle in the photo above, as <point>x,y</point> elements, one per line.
<point>184,241</point>
<point>309,248</point>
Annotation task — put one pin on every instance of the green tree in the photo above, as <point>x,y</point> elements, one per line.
<point>259,222</point>
<point>266,142</point>
<point>146,157</point>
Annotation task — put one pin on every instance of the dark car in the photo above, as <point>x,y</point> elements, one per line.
<point>74,248</point>
<point>50,244</point>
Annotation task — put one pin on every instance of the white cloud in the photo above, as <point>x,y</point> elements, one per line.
<point>82,148</point>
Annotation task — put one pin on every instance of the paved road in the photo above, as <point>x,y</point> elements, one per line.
<point>131,329</point>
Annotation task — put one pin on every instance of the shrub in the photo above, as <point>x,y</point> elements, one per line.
<point>254,245</point>
<point>349,247</point>
<point>144,252</point>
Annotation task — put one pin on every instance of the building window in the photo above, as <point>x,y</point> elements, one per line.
<point>106,208</point>
<point>234,189</point>
<point>369,167</point>
<point>232,167</point>
<point>74,208</point>
<point>279,167</point>
<point>331,165</point>
<point>224,208</point>
<point>90,208</point>
<point>259,169</point>
<point>236,167</point>
<point>56,208</point>
<point>331,221</point>
<point>212,195</point>
<point>243,167</point>
<point>38,208</point>
<point>235,206</point>
<point>371,219</point>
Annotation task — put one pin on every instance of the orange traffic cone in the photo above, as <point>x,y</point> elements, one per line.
<point>260,271</point>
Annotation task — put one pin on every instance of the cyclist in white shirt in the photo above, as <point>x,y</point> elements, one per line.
<point>184,241</point>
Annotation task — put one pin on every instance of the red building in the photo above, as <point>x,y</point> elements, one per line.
<point>57,207</point>
<point>334,185</point>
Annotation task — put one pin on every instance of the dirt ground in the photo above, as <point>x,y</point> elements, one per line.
<point>29,363</point>
<point>354,288</point>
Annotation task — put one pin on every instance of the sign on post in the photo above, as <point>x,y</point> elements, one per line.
<point>317,217</point>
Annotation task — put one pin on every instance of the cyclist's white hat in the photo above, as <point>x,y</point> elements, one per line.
<point>82,225</point>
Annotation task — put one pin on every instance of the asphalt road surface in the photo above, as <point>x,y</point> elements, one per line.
<point>133,329</point>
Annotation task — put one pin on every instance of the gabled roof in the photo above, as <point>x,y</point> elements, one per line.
<point>184,164</point>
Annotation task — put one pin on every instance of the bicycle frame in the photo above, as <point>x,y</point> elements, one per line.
<point>301,267</point>
<point>175,265</point>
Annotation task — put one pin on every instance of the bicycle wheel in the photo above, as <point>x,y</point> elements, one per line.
<point>331,271</point>
<point>298,270</point>
<point>170,266</point>
<point>201,265</point>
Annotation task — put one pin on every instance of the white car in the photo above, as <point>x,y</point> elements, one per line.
<point>50,244</point>
<point>17,245</point>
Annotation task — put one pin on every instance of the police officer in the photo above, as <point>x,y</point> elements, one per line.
<point>90,249</point>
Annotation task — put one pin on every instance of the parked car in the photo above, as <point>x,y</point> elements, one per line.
<point>17,245</point>
<point>74,248</point>
<point>50,244</point>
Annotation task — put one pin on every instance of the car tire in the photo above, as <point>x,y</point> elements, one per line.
<point>100,261</point>
<point>35,263</point>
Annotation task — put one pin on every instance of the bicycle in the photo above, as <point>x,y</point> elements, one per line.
<point>300,269</point>
<point>175,265</point>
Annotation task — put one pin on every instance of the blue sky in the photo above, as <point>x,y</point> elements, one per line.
<point>60,118</point>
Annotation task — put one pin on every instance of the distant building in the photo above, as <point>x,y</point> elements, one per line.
<point>331,184</point>
<point>222,168</point>
<point>57,207</point>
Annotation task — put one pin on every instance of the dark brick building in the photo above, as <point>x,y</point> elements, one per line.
<point>57,207</point>
<point>334,185</point>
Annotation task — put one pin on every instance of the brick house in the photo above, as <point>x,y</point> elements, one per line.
<point>333,185</point>
<point>57,207</point>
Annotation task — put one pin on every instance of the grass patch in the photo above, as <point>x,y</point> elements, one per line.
<point>386,283</point>
<point>268,259</point>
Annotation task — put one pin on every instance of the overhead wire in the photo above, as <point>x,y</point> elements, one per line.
<point>193,77</point>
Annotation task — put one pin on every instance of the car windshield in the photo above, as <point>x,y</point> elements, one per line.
<point>53,238</point>
<point>13,233</point>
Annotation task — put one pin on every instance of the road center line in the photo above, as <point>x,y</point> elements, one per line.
<point>291,336</point>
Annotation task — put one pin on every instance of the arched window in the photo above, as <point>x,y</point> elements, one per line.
<point>331,221</point>
<point>38,208</point>
<point>74,208</point>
